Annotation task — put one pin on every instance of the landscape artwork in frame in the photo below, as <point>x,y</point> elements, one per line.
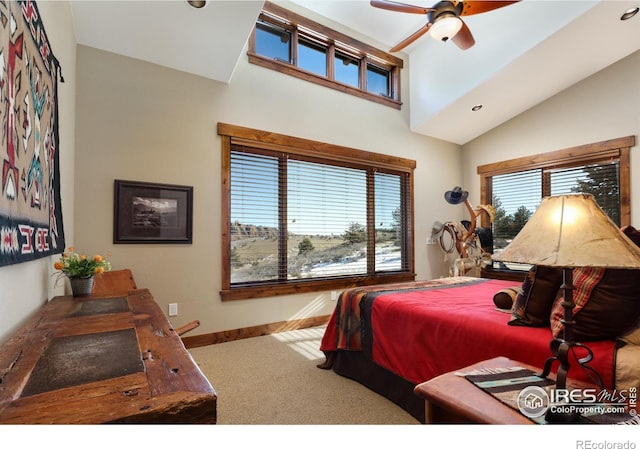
<point>152,213</point>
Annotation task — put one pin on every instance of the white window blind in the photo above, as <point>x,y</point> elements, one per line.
<point>297,218</point>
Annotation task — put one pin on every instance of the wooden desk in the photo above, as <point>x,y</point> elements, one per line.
<point>102,359</point>
<point>453,399</point>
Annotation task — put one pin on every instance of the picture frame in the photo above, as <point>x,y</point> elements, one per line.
<point>147,212</point>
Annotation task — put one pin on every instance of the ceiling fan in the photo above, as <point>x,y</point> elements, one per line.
<point>444,21</point>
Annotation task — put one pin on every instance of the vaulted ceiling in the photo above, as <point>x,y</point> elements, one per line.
<point>524,53</point>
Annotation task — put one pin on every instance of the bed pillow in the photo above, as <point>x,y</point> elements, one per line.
<point>633,234</point>
<point>539,290</point>
<point>607,302</point>
<point>504,299</point>
<point>632,337</point>
<point>585,281</point>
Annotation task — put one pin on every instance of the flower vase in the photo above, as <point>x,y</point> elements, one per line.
<point>81,286</point>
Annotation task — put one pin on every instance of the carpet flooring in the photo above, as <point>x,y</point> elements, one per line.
<point>273,379</point>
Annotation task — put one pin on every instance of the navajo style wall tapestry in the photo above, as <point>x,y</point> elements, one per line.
<point>30,209</point>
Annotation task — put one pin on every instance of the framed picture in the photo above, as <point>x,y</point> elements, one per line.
<point>152,213</point>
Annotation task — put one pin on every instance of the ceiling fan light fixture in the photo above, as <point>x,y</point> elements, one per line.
<point>197,3</point>
<point>445,27</point>
<point>629,13</point>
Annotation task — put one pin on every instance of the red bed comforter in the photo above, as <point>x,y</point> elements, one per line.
<point>420,330</point>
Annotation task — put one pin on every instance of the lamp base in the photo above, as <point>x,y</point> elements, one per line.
<point>560,349</point>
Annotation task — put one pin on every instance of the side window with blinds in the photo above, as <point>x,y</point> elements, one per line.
<point>304,220</point>
<point>516,187</point>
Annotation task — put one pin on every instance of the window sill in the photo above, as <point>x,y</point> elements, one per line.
<point>503,275</point>
<point>275,289</point>
<point>289,69</point>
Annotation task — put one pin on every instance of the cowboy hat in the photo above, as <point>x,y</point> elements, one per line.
<point>456,196</point>
<point>437,228</point>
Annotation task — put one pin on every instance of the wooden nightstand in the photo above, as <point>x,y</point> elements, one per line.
<point>450,398</point>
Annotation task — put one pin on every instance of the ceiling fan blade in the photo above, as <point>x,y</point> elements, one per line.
<point>415,36</point>
<point>470,7</point>
<point>463,38</point>
<point>399,7</point>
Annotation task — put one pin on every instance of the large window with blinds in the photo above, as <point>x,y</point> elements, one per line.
<point>516,187</point>
<point>305,216</point>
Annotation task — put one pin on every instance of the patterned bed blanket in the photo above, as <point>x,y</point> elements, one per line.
<point>343,330</point>
<point>419,330</point>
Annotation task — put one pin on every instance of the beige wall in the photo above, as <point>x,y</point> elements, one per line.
<point>27,286</point>
<point>138,121</point>
<point>601,107</point>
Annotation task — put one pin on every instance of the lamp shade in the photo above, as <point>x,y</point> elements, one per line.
<point>571,231</point>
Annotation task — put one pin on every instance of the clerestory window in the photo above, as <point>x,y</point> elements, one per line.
<point>307,216</point>
<point>294,45</point>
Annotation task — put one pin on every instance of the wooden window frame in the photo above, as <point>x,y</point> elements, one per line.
<point>237,135</point>
<point>334,41</point>
<point>615,149</point>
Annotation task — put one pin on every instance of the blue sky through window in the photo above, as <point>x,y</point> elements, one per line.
<point>254,189</point>
<point>388,197</point>
<point>377,81</point>
<point>313,58</point>
<point>273,42</point>
<point>347,70</point>
<point>322,199</point>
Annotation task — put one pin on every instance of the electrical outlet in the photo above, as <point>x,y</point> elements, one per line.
<point>431,241</point>
<point>334,295</point>
<point>173,309</point>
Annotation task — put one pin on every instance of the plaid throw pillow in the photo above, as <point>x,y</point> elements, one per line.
<point>584,281</point>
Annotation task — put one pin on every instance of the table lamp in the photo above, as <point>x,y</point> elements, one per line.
<point>570,231</point>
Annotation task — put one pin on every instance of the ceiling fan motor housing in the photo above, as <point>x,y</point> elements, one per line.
<point>444,8</point>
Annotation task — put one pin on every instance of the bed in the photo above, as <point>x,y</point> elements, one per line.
<point>392,337</point>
